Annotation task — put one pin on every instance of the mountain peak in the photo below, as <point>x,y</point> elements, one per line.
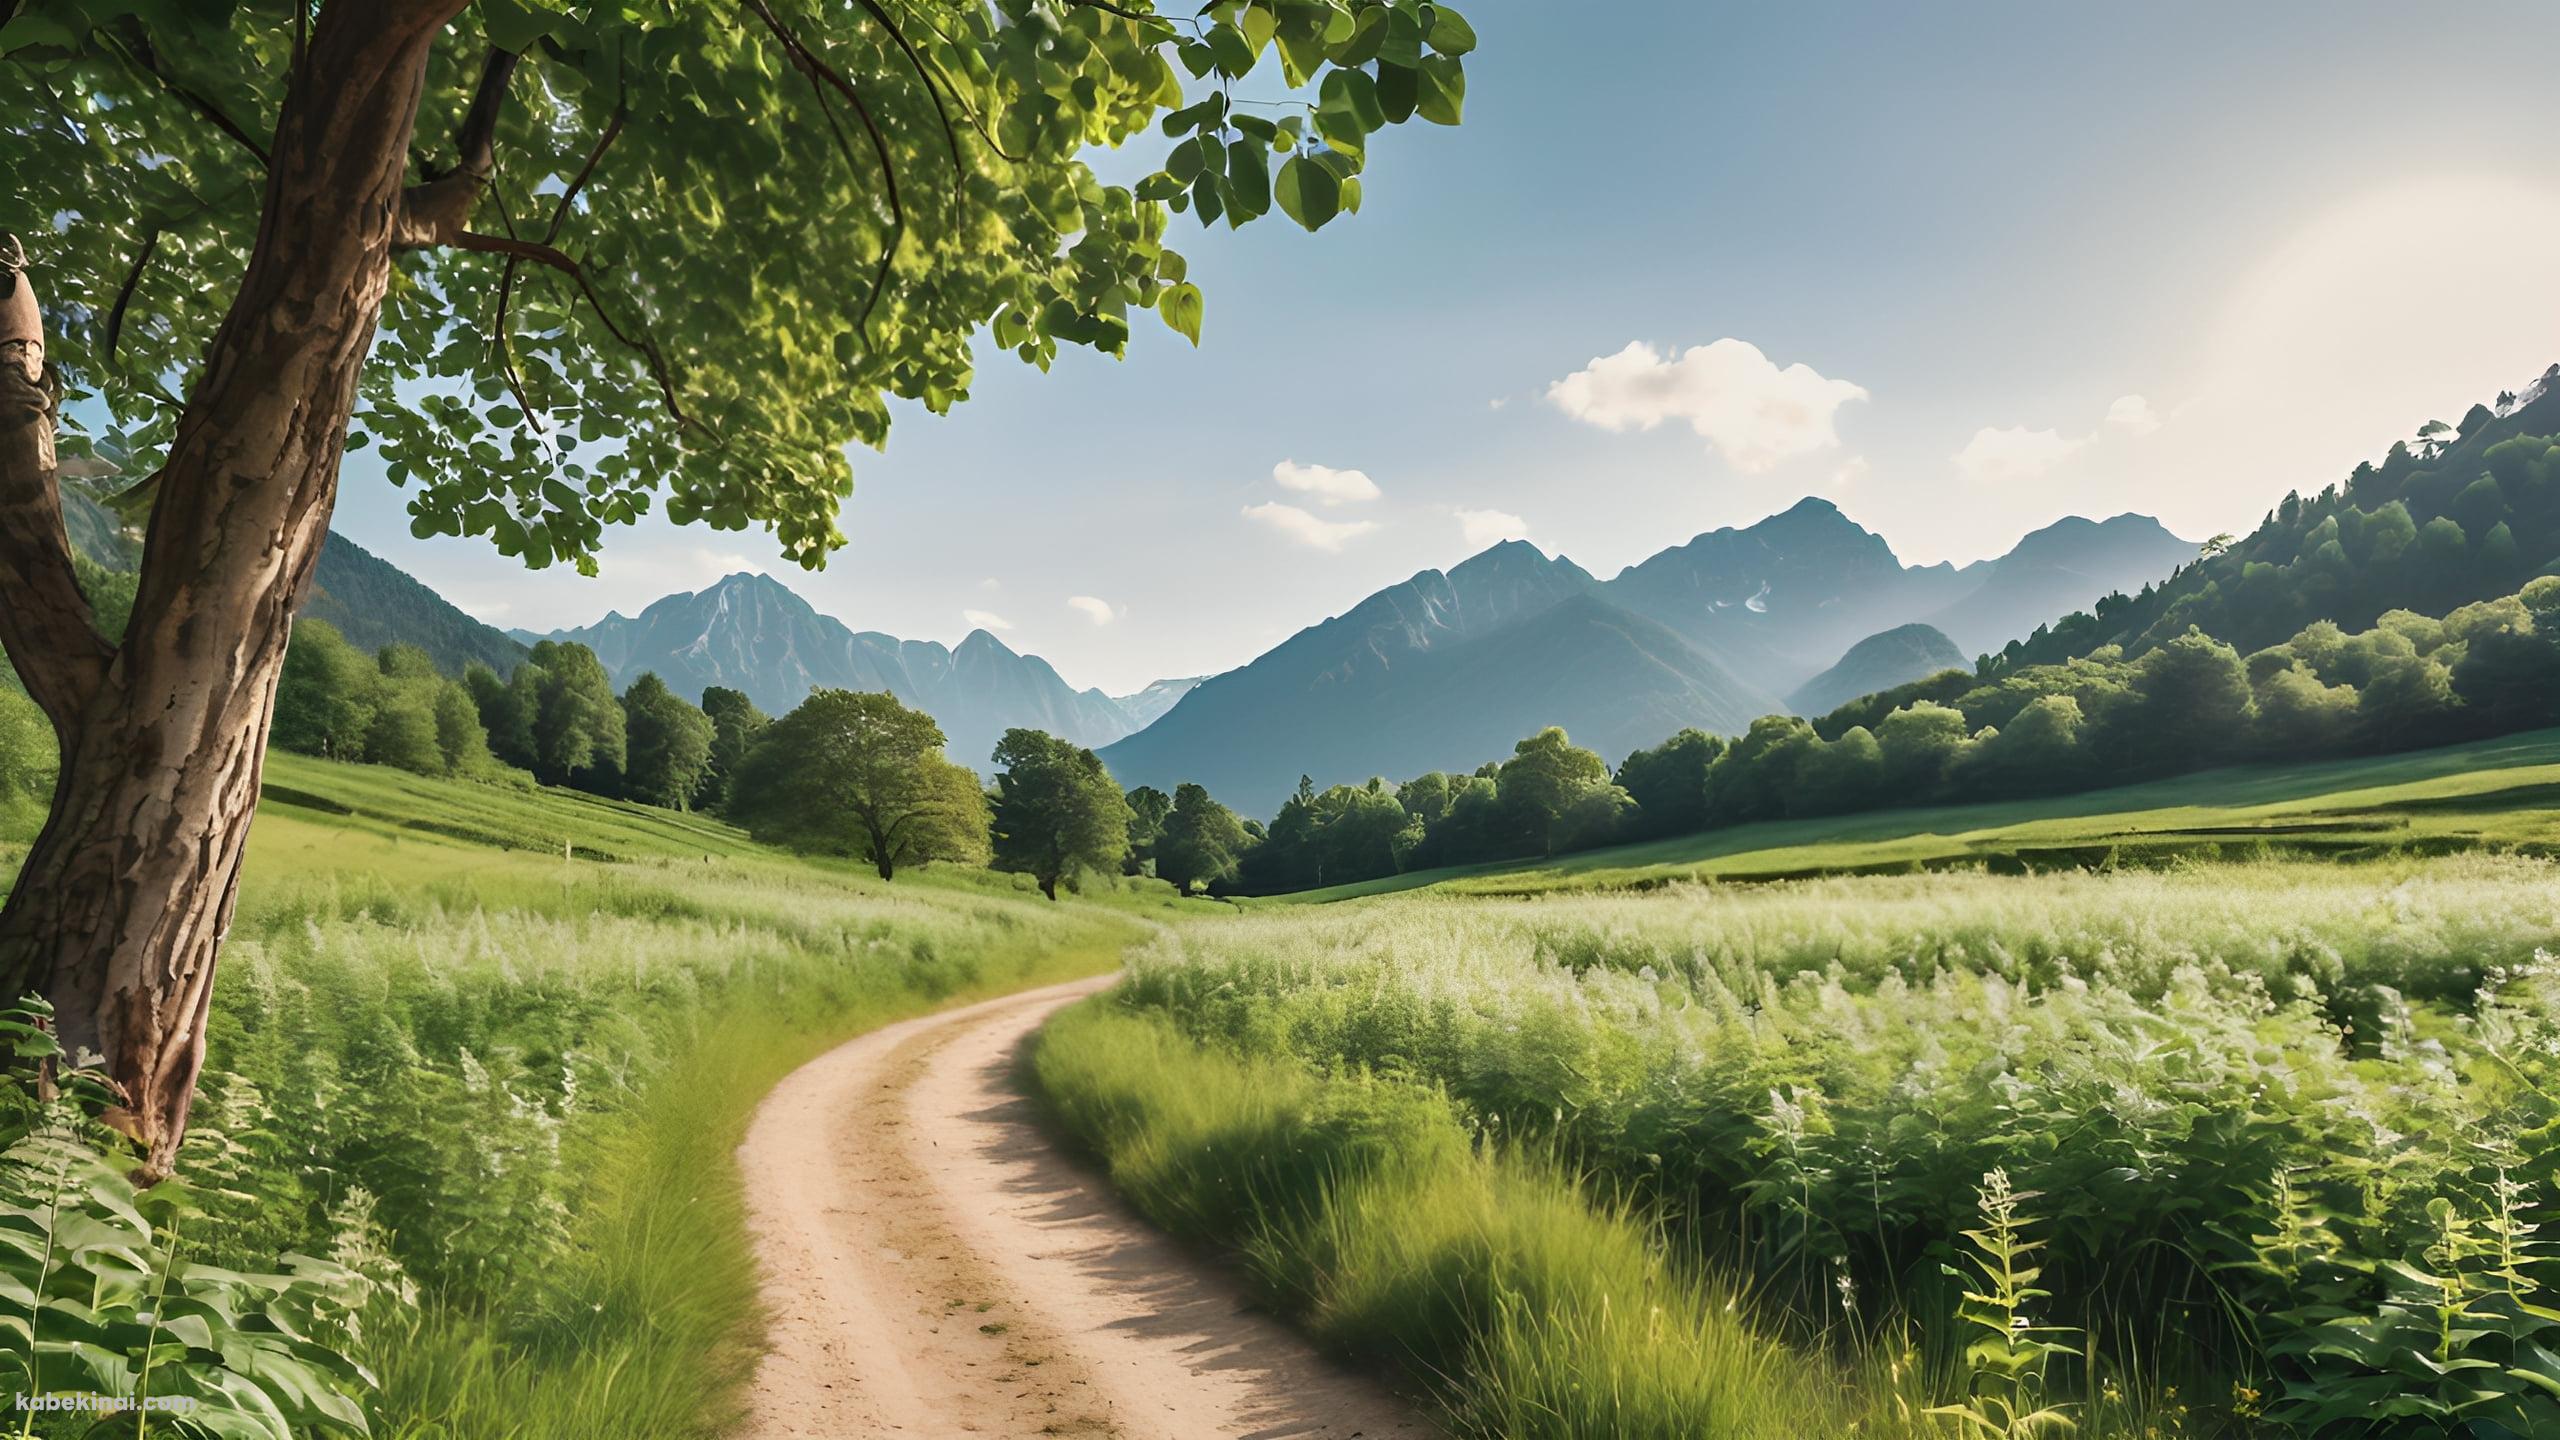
<point>981,639</point>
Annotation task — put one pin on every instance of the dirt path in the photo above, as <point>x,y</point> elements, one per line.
<point>934,1267</point>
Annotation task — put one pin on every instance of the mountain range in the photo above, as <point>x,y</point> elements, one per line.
<point>753,634</point>
<point>1447,669</point>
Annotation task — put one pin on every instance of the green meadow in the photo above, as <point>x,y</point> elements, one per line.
<point>491,1048</point>
<point>2498,794</point>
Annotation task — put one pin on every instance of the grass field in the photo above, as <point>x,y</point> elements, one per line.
<point>495,1047</point>
<point>2502,794</point>
<point>2276,1132</point>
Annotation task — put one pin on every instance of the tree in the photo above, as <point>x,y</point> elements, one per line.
<point>1755,776</point>
<point>1058,811</point>
<point>1920,741</point>
<point>579,736</point>
<point>1845,774</point>
<point>667,744</point>
<point>324,698</point>
<point>1148,809</point>
<point>1202,843</point>
<point>735,721</point>
<point>1544,776</point>
<point>327,175</point>
<point>861,775</point>
<point>1669,783</point>
<point>2298,716</point>
<point>2189,707</point>
<point>403,732</point>
<point>459,736</point>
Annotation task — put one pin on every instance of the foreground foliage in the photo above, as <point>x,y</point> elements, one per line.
<point>2272,1126</point>
<point>503,1087</point>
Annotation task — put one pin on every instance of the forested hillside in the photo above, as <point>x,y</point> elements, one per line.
<point>2460,514</point>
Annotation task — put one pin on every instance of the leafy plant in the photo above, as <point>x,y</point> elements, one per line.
<point>97,1296</point>
<point>2006,1365</point>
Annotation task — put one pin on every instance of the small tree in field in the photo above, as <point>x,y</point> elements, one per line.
<point>562,265</point>
<point>860,775</point>
<point>1058,811</point>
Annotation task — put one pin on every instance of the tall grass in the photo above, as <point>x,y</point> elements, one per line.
<point>507,1085</point>
<point>1529,1301</point>
<point>1809,1082</point>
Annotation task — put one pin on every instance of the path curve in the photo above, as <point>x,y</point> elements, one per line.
<point>934,1266</point>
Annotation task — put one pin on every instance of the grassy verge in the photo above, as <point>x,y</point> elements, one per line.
<point>1529,1304</point>
<point>654,1328</point>
<point>495,1048</point>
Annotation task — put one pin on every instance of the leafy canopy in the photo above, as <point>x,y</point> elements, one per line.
<point>718,240</point>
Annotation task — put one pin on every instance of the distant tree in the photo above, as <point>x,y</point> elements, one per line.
<point>1842,775</point>
<point>2299,716</point>
<point>403,731</point>
<point>735,721</point>
<point>1058,812</point>
<point>1669,783</point>
<point>858,774</point>
<point>667,743</point>
<point>1360,832</point>
<point>2407,701</point>
<point>2189,707</point>
<point>1545,775</point>
<point>506,710</point>
<point>2037,752</point>
<point>1426,798</point>
<point>1202,843</point>
<point>1148,807</point>
<point>460,738</point>
<point>1755,776</point>
<point>2219,544</point>
<point>325,699</point>
<point>1920,741</point>
<point>1598,816</point>
<point>578,732</point>
<point>402,661</point>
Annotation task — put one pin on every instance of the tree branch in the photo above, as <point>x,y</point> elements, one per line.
<point>559,216</point>
<point>47,625</point>
<point>551,258</point>
<point>438,208</point>
<point>915,62</point>
<point>124,294</point>
<point>134,44</point>
<point>823,76</point>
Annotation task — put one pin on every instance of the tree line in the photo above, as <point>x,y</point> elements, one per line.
<point>2455,517</point>
<point>864,777</point>
<point>2409,681</point>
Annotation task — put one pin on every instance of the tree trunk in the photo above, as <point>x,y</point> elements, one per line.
<point>122,905</point>
<point>1049,886</point>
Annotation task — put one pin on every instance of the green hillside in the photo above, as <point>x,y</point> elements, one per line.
<point>2501,794</point>
<point>2468,513</point>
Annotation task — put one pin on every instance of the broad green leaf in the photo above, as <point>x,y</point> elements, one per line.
<point>1182,308</point>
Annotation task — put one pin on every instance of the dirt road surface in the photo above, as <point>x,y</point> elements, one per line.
<point>934,1266</point>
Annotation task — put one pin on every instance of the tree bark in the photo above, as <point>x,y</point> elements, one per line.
<point>121,908</point>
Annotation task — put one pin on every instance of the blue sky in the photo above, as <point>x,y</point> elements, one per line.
<point>2034,260</point>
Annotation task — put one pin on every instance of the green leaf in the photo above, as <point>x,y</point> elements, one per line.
<point>1182,307</point>
<point>1308,192</point>
<point>1399,89</point>
<point>1442,90</point>
<point>1450,33</point>
<point>1248,182</point>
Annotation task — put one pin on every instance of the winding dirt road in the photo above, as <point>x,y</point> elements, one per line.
<point>934,1266</point>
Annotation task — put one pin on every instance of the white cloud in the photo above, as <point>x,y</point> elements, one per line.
<point>1852,471</point>
<point>991,585</point>
<point>490,611</point>
<point>1329,486</point>
<point>1485,527</point>
<point>1307,529</point>
<point>1497,402</point>
<point>721,564</point>
<point>2133,415</point>
<point>2013,455</point>
<point>1754,413</point>
<point>986,620</point>
<point>1097,610</point>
